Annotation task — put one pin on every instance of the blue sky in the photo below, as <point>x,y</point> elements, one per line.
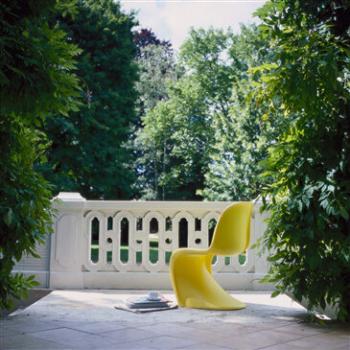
<point>172,19</point>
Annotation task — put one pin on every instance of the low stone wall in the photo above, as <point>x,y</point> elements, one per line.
<point>127,244</point>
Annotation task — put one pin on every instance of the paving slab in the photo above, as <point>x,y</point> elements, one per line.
<point>87,319</point>
<point>27,341</point>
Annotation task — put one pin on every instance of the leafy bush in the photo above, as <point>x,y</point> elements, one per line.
<point>309,198</point>
<point>24,204</point>
<point>35,79</point>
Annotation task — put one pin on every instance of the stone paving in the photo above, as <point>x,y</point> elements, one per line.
<point>87,320</point>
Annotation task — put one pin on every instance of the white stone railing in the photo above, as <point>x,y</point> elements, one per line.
<point>127,244</point>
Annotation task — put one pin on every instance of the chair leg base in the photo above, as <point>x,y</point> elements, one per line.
<point>195,287</point>
<point>195,303</point>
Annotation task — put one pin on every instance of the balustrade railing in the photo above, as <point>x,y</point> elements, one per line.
<point>128,244</point>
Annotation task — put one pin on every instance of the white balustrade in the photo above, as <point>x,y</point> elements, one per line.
<point>128,244</point>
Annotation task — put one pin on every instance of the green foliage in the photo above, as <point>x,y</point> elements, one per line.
<point>24,204</point>
<point>36,79</point>
<point>243,134</point>
<point>145,37</point>
<point>204,57</point>
<point>174,139</point>
<point>204,132</point>
<point>88,152</point>
<point>309,167</point>
<point>156,67</point>
<point>33,53</point>
<point>177,134</point>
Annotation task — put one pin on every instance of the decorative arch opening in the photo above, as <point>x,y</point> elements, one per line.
<point>168,224</point>
<point>110,223</point>
<point>124,240</point>
<point>242,258</point>
<point>94,240</point>
<point>153,241</point>
<point>211,230</point>
<point>183,233</point>
<point>198,224</point>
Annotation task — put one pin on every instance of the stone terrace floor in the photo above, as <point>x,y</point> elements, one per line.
<point>87,320</point>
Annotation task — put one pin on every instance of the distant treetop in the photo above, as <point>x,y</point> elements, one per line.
<point>145,37</point>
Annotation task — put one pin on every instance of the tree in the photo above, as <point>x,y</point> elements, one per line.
<point>156,68</point>
<point>204,58</point>
<point>145,37</point>
<point>178,133</point>
<point>88,152</point>
<point>243,134</point>
<point>36,79</point>
<point>309,167</point>
<point>156,64</point>
<point>174,141</point>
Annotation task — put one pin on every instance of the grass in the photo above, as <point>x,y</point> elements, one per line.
<point>124,256</point>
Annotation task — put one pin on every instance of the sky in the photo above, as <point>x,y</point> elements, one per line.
<point>172,19</point>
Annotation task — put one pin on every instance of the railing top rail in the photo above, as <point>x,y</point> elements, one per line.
<point>74,201</point>
<point>154,205</point>
<point>63,200</point>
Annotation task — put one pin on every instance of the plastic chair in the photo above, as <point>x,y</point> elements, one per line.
<point>190,269</point>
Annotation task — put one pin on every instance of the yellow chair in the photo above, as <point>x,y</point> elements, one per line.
<point>190,269</point>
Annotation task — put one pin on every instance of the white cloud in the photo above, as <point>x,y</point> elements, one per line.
<point>172,19</point>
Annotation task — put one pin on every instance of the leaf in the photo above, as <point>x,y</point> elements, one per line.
<point>8,217</point>
<point>344,213</point>
<point>275,293</point>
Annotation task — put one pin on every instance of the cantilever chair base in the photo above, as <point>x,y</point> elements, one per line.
<point>194,285</point>
<point>191,276</point>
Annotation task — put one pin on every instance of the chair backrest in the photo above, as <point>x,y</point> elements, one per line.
<point>232,233</point>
